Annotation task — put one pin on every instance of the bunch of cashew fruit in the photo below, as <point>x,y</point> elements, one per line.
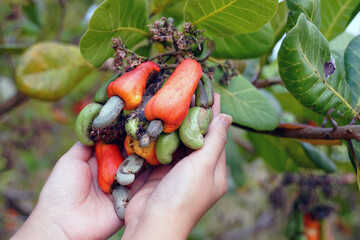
<point>155,117</point>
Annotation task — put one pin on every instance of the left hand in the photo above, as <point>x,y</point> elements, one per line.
<point>71,204</point>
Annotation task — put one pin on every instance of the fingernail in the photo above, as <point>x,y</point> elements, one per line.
<point>226,120</point>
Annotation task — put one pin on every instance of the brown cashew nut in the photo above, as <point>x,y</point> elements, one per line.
<point>125,175</point>
<point>152,133</point>
<point>109,112</point>
<point>121,198</point>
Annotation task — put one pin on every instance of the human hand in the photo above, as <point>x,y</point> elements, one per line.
<point>168,200</point>
<point>71,204</point>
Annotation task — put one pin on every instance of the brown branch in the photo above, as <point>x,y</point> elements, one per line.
<point>341,133</point>
<point>267,82</point>
<point>62,4</point>
<point>12,102</point>
<point>160,55</point>
<point>168,66</point>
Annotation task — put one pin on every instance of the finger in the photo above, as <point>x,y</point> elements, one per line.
<point>216,107</point>
<point>93,166</point>
<point>220,177</point>
<point>140,180</point>
<point>159,172</point>
<point>78,152</point>
<point>215,141</point>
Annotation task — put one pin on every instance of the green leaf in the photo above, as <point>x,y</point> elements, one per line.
<point>247,105</point>
<point>31,10</point>
<point>340,43</point>
<point>311,9</point>
<point>278,22</point>
<point>158,5</point>
<point>49,71</point>
<point>245,46</point>
<point>229,17</point>
<point>113,19</point>
<point>319,159</point>
<point>301,62</point>
<point>295,151</point>
<point>235,159</point>
<point>354,155</point>
<point>272,151</point>
<point>352,68</point>
<point>336,15</point>
<point>303,114</point>
<point>354,13</point>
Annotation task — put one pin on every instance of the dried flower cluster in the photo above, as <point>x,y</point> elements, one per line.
<point>315,194</point>
<point>229,71</point>
<point>123,60</point>
<point>164,30</point>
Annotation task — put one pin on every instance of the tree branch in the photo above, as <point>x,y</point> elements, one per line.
<point>160,55</point>
<point>309,132</point>
<point>62,4</point>
<point>12,102</point>
<point>267,82</point>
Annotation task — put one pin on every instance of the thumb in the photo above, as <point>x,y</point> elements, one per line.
<point>215,140</point>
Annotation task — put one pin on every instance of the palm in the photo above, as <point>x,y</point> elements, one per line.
<point>73,189</point>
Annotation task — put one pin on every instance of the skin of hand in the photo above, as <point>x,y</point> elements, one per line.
<point>71,205</point>
<point>170,200</point>
<point>166,203</point>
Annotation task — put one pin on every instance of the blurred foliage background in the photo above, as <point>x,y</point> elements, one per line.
<point>36,133</point>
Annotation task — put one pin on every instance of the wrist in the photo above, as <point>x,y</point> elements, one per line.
<point>40,225</point>
<point>159,224</point>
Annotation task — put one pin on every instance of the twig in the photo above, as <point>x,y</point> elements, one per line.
<point>62,4</point>
<point>267,82</point>
<point>221,63</point>
<point>341,133</point>
<point>168,66</point>
<point>12,102</point>
<point>256,77</point>
<point>247,146</point>
<point>160,55</point>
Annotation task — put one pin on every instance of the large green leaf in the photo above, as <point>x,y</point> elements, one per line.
<point>311,9</point>
<point>352,67</point>
<point>247,105</point>
<point>303,114</point>
<point>319,158</point>
<point>113,19</point>
<point>244,46</point>
<point>229,17</point>
<point>278,22</point>
<point>340,43</point>
<point>335,16</point>
<point>48,71</point>
<point>158,5</point>
<point>235,159</point>
<point>272,151</point>
<point>301,66</point>
<point>354,155</point>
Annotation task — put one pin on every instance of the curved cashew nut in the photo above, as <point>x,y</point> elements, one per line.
<point>125,174</point>
<point>109,112</point>
<point>153,131</point>
<point>121,198</point>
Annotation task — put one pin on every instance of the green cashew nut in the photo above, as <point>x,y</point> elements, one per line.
<point>84,122</point>
<point>166,145</point>
<point>195,126</point>
<point>101,94</point>
<point>131,127</point>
